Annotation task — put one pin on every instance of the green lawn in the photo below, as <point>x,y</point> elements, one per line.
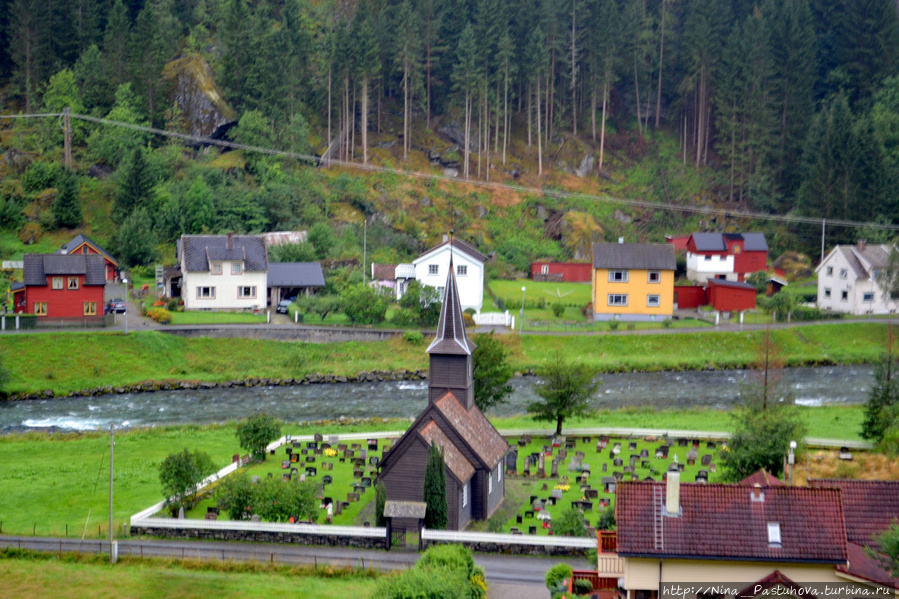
<point>572,294</point>
<point>49,481</point>
<point>81,360</point>
<point>71,578</point>
<point>192,317</point>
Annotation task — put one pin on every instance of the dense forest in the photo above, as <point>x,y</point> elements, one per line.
<point>775,106</point>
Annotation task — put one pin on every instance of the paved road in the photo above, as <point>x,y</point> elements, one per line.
<point>508,577</point>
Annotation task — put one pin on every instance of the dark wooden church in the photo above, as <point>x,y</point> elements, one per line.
<point>473,449</point>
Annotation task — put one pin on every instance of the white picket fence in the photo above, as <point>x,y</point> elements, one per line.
<point>446,536</point>
<point>246,526</point>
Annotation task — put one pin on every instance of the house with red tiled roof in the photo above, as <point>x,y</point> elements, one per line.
<point>473,449</point>
<point>687,534</point>
<point>762,478</point>
<point>869,506</point>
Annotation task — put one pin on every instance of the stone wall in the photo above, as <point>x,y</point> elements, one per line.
<point>511,548</point>
<point>254,536</point>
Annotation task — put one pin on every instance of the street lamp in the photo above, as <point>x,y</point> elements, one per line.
<point>521,320</point>
<point>125,281</point>
<point>791,459</point>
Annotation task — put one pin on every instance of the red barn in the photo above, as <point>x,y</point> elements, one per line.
<point>729,256</point>
<point>730,296</point>
<point>82,244</point>
<point>568,272</point>
<point>63,285</point>
<point>689,296</point>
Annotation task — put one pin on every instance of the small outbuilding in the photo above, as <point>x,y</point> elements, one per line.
<point>731,296</point>
<point>291,279</point>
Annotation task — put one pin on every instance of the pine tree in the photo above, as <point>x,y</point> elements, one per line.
<point>136,185</point>
<point>466,76</point>
<point>67,207</point>
<point>29,46</point>
<point>136,240</point>
<point>882,408</point>
<point>437,513</point>
<point>407,61</point>
<point>117,43</point>
<point>367,66</point>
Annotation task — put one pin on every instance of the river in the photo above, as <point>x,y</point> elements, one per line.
<point>403,399</point>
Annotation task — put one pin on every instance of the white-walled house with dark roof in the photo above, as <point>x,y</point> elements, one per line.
<point>223,272</point>
<point>847,280</point>
<point>431,269</point>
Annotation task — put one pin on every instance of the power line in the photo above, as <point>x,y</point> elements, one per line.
<point>318,160</point>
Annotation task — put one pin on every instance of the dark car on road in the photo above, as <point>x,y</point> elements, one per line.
<point>117,305</point>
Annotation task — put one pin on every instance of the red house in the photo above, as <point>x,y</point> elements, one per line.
<point>82,244</point>
<point>62,285</point>
<point>730,296</point>
<point>729,256</point>
<point>568,272</point>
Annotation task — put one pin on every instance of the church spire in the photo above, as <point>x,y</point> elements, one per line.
<point>451,351</point>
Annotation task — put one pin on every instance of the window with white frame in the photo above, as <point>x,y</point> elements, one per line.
<point>246,292</point>
<point>236,268</point>
<point>655,276</point>
<point>868,297</point>
<point>827,292</point>
<point>774,534</point>
<point>216,268</point>
<point>205,292</point>
<point>499,471</point>
<point>844,296</point>
<point>829,271</point>
<point>617,276</point>
<point>617,299</point>
<point>843,273</point>
<point>461,270</point>
<point>544,270</point>
<point>432,269</point>
<point>465,495</point>
<point>490,482</point>
<point>653,301</point>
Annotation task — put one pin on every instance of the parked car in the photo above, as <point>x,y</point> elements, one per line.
<point>284,306</point>
<point>116,305</point>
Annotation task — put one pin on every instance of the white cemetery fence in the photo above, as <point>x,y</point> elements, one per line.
<point>502,319</point>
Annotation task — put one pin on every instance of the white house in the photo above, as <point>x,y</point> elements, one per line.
<point>431,269</point>
<point>223,272</point>
<point>847,280</point>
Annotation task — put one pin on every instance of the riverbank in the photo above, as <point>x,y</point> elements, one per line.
<point>55,483</point>
<point>85,362</point>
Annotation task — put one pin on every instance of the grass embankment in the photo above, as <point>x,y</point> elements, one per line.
<point>73,361</point>
<point>49,481</point>
<point>34,575</point>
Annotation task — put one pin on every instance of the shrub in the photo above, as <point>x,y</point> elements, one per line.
<point>606,519</point>
<point>496,523</point>
<point>631,326</point>
<point>556,576</point>
<point>614,324</point>
<point>558,309</point>
<point>570,523</point>
<point>582,586</point>
<point>666,323</point>
<point>413,337</point>
<point>469,321</point>
<point>404,317</point>
<point>256,432</point>
<point>160,315</point>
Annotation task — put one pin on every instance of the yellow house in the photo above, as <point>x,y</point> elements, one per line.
<point>633,281</point>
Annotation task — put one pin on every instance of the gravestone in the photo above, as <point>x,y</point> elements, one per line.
<point>211,516</point>
<point>605,502</point>
<point>616,449</point>
<point>710,445</point>
<point>352,497</point>
<point>512,461</point>
<point>338,507</point>
<point>712,468</point>
<point>691,461</point>
<point>532,530</point>
<point>617,462</point>
<point>644,453</point>
<point>310,459</point>
<point>181,513</point>
<point>693,454</point>
<point>605,467</point>
<point>628,469</point>
<point>304,451</point>
<point>632,446</point>
<point>359,489</point>
<point>556,494</point>
<point>358,462</point>
<point>293,470</point>
<point>609,484</point>
<point>311,445</point>
<point>318,451</point>
<point>357,473</point>
<point>574,465</point>
<point>285,477</point>
<point>294,458</point>
<point>326,479</point>
<point>680,467</point>
<point>706,459</point>
<point>563,453</point>
<point>285,464</point>
<point>579,455</point>
<point>618,475</point>
<point>644,464</point>
<point>541,466</point>
<point>522,442</point>
<point>363,454</point>
<point>289,450</point>
<point>311,471</point>
<point>366,481</point>
<point>569,444</point>
<point>372,444</point>
<point>527,466</point>
<point>325,446</point>
<point>585,439</point>
<point>681,442</point>
<point>585,468</point>
<point>255,518</point>
<point>355,446</point>
<point>845,454</point>
<point>555,469</point>
<point>703,474</point>
<point>270,474</point>
<point>529,513</point>
<point>373,460</point>
<point>256,480</point>
<point>341,447</point>
<point>649,479</point>
<point>591,493</point>
<point>662,452</point>
<point>236,457</point>
<point>317,437</point>
<point>333,440</point>
<point>519,519</point>
<point>634,458</point>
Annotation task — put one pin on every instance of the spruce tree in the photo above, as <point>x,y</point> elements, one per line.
<point>135,188</point>
<point>882,408</point>
<point>67,207</point>
<point>436,516</point>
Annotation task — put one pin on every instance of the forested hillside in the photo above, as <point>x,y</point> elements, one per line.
<point>768,106</point>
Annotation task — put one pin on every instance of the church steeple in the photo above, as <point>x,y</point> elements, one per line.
<point>451,351</point>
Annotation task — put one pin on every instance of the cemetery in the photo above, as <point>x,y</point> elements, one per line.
<point>545,475</point>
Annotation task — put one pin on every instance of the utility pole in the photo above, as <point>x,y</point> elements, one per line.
<point>112,548</point>
<point>67,136</point>
<point>823,227</point>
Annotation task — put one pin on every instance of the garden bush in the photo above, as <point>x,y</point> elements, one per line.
<point>558,309</point>
<point>614,324</point>
<point>443,572</point>
<point>582,586</point>
<point>160,315</point>
<point>556,576</point>
<point>413,337</point>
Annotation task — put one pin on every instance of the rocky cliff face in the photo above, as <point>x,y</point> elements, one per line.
<point>193,90</point>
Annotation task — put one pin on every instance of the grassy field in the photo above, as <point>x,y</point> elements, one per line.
<point>51,481</point>
<point>72,578</point>
<point>217,318</point>
<point>569,294</point>
<point>75,361</point>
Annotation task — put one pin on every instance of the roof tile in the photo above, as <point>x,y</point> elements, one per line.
<point>869,505</point>
<point>645,256</point>
<point>475,429</point>
<point>455,461</point>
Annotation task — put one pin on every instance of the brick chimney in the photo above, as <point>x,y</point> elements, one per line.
<point>230,245</point>
<point>862,244</point>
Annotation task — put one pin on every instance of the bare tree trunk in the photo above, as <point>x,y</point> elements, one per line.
<point>506,118</point>
<point>539,136</point>
<point>467,131</point>
<point>637,92</point>
<point>573,69</point>
<point>406,112</point>
<point>365,120</point>
<point>380,95</point>
<point>480,136</point>
<point>602,135</point>
<point>661,59</point>
<point>530,114</point>
<point>551,98</point>
<point>593,113</point>
<point>353,126</point>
